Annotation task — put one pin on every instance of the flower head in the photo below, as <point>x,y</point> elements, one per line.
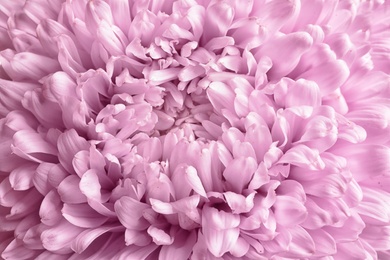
<point>194,129</point>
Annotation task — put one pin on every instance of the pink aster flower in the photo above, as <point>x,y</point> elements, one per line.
<point>194,129</point>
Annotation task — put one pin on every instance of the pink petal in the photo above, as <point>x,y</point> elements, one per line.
<point>354,225</point>
<point>220,230</point>
<point>80,162</point>
<point>69,143</point>
<point>260,177</point>
<point>194,181</point>
<point>285,52</point>
<point>324,243</point>
<point>90,185</point>
<point>136,237</point>
<point>41,178</point>
<point>303,156</point>
<point>112,38</point>
<point>17,250</point>
<point>68,56</point>
<point>32,66</point>
<point>11,93</point>
<point>162,207</point>
<point>135,252</point>
<point>191,72</point>
<point>329,76</point>
<point>59,238</point>
<point>56,175</point>
<point>291,207</point>
<point>188,206</point>
<point>239,203</point>
<point>50,210</point>
<point>96,12</point>
<point>122,17</point>
<point>239,172</point>
<point>219,17</point>
<point>160,237</point>
<point>130,213</point>
<point>321,133</point>
<point>302,245</point>
<point>363,168</point>
<point>82,215</point>
<point>350,132</point>
<point>31,146</point>
<point>8,196</point>
<point>240,248</point>
<point>293,189</point>
<point>85,238</point>
<point>161,76</point>
<point>333,185</point>
<point>377,236</point>
<point>20,120</point>
<point>353,249</point>
<point>181,247</point>
<point>71,183</point>
<point>33,101</point>
<point>275,14</point>
<point>22,177</point>
<point>303,93</point>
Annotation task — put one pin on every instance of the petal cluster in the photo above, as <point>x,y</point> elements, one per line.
<point>194,129</point>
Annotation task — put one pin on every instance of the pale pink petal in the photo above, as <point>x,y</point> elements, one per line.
<point>50,210</point>
<point>291,207</point>
<point>324,242</point>
<point>82,215</point>
<point>41,178</point>
<point>59,238</point>
<point>135,252</point>
<point>71,183</point>
<point>303,156</point>
<point>239,172</point>
<point>303,93</point>
<point>329,76</point>
<point>160,237</point>
<point>194,181</point>
<point>90,185</point>
<point>240,248</point>
<point>181,247</point>
<point>363,168</point>
<point>285,52</point>
<point>8,196</point>
<point>32,146</point>
<point>16,250</point>
<point>136,237</point>
<point>130,213</point>
<point>85,238</point>
<point>69,143</point>
<point>219,17</point>
<point>239,203</point>
<point>162,207</point>
<point>22,177</point>
<point>220,230</point>
<point>301,245</point>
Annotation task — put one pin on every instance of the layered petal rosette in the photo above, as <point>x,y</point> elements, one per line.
<point>194,129</point>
